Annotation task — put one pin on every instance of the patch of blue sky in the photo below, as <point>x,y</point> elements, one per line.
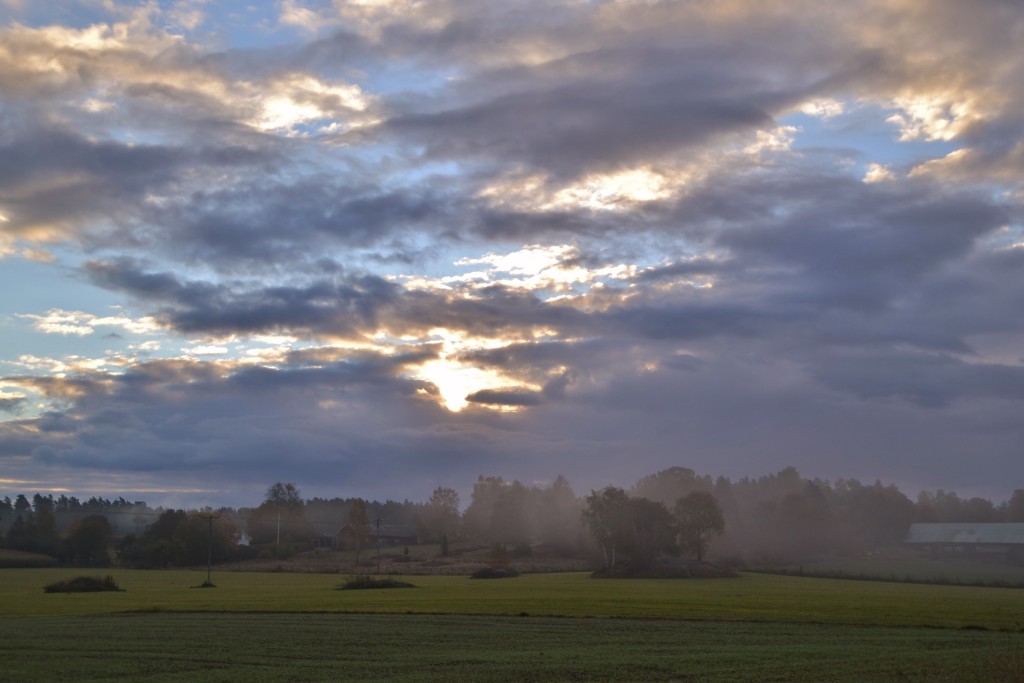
<point>138,136</point>
<point>40,286</point>
<point>75,15</point>
<point>427,171</point>
<point>404,77</point>
<point>43,287</point>
<point>1009,237</point>
<point>865,136</point>
<point>250,26</point>
<point>26,350</point>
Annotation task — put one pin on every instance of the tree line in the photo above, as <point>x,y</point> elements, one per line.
<point>674,513</point>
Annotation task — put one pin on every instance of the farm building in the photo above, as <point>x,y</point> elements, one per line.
<point>953,539</point>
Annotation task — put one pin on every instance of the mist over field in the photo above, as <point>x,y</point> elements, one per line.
<point>672,518</point>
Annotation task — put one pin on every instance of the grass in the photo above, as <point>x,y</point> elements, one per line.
<point>544,627</point>
<point>325,647</point>
<point>750,597</point>
<point>954,571</point>
<point>464,559</point>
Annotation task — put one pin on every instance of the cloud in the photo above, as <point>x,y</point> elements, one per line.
<point>581,126</point>
<point>453,238</point>
<point>506,397</point>
<point>57,321</point>
<point>11,404</point>
<point>929,379</point>
<point>58,185</point>
<point>344,306</point>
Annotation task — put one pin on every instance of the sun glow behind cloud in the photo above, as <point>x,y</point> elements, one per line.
<point>457,379</point>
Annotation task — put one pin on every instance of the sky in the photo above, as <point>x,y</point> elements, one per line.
<point>373,247</point>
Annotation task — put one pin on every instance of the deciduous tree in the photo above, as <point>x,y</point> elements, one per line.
<point>634,530</point>
<point>607,515</point>
<point>700,519</point>
<point>281,517</point>
<point>440,516</point>
<point>89,541</point>
<point>1015,507</point>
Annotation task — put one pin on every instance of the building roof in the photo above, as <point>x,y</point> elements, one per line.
<point>967,532</point>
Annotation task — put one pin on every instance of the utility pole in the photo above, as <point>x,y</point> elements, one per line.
<point>209,517</point>
<point>278,527</point>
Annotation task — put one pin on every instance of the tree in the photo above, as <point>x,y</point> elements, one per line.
<point>284,496</point>
<point>6,514</point>
<point>636,530</point>
<point>440,517</point>
<point>34,532</point>
<point>41,502</point>
<point>509,525</point>
<point>653,532</point>
<point>21,504</point>
<point>166,525</point>
<point>668,486</point>
<point>607,515</point>
<point>700,519</point>
<point>557,516</point>
<point>197,539</point>
<point>979,510</point>
<point>476,523</point>
<point>17,535</point>
<point>881,515</point>
<point>43,525</point>
<point>179,538</point>
<point>1015,507</point>
<point>88,541</point>
<point>280,517</point>
<point>359,523</point>
<point>158,545</point>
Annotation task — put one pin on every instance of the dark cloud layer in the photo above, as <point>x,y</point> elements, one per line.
<point>706,287</point>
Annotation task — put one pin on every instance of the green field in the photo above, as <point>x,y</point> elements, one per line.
<point>297,627</point>
<point>918,569</point>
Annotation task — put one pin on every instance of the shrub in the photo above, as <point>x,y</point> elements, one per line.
<point>693,570</point>
<point>285,551</point>
<point>363,581</point>
<point>499,556</point>
<point>522,550</point>
<point>494,573</point>
<point>83,584</point>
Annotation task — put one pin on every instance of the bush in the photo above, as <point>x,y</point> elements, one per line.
<point>494,573</point>
<point>499,557</point>
<point>285,551</point>
<point>693,570</point>
<point>363,581</point>
<point>522,550</point>
<point>83,584</point>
